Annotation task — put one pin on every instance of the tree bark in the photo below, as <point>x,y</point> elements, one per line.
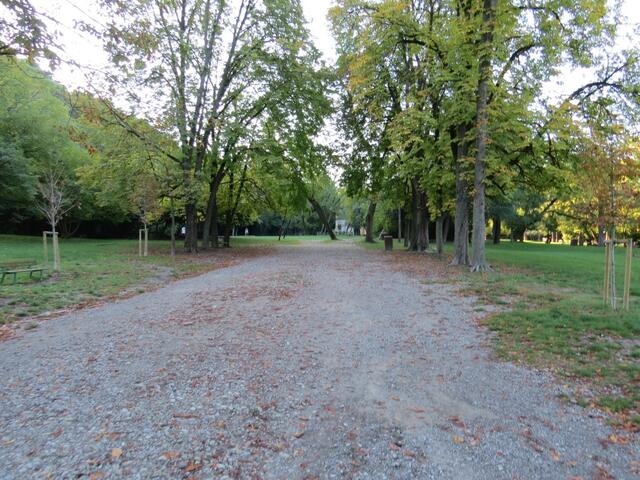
<point>461,223</point>
<point>231,215</point>
<point>191,235</point>
<point>173,231</point>
<point>447,227</point>
<point>419,235</point>
<point>369,221</point>
<point>439,232</point>
<point>479,260</point>
<point>497,227</point>
<point>323,217</point>
<point>210,230</point>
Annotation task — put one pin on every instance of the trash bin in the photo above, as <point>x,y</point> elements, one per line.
<point>388,243</point>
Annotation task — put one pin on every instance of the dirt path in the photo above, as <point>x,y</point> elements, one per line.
<point>318,361</point>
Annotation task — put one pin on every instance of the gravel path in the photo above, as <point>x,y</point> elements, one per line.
<point>316,361</point>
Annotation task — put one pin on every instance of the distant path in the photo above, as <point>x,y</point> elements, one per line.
<point>317,361</point>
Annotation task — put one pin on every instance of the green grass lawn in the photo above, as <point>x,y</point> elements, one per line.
<point>252,240</point>
<point>556,319</point>
<point>90,270</point>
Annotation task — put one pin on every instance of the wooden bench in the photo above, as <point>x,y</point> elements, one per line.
<point>13,267</point>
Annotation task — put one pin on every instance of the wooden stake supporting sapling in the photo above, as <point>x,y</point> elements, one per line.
<point>627,274</point>
<point>143,246</point>
<point>55,249</point>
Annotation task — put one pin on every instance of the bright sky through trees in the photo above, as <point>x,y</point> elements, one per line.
<point>87,51</point>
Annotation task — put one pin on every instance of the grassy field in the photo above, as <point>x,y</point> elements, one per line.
<point>93,270</point>
<point>554,318</point>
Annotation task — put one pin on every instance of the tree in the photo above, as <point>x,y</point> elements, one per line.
<point>24,33</point>
<point>220,71</point>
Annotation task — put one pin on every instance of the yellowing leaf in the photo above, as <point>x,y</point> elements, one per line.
<point>457,439</point>
<point>116,452</point>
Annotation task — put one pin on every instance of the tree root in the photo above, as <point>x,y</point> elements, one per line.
<point>482,267</point>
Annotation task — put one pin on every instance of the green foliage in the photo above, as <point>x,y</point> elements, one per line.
<point>35,120</point>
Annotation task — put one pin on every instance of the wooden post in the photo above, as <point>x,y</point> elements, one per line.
<point>44,245</point>
<point>146,241</point>
<point>56,253</point>
<point>605,283</point>
<point>612,274</point>
<point>627,274</point>
<point>139,242</point>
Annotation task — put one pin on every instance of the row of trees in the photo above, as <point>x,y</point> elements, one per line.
<point>445,114</point>
<point>210,113</point>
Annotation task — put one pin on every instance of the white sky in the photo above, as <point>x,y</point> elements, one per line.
<point>88,52</point>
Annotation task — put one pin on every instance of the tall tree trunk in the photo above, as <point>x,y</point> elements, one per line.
<point>211,219</point>
<point>439,233</point>
<point>447,227</point>
<point>423,236</point>
<point>461,223</point>
<point>210,230</point>
<point>228,220</point>
<point>191,235</point>
<point>419,237</point>
<point>323,217</point>
<point>369,221</point>
<point>173,231</point>
<point>479,260</point>
<point>497,228</point>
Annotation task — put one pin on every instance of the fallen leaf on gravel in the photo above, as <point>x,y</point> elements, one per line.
<point>409,453</point>
<point>619,439</point>
<point>457,439</point>
<point>171,455</point>
<point>58,432</point>
<point>184,415</point>
<point>602,473</point>
<point>116,452</point>
<point>298,434</point>
<point>417,410</point>
<point>555,455</point>
<point>6,333</point>
<point>395,397</point>
<point>192,467</point>
<point>456,421</point>
<point>96,475</point>
<point>394,446</point>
